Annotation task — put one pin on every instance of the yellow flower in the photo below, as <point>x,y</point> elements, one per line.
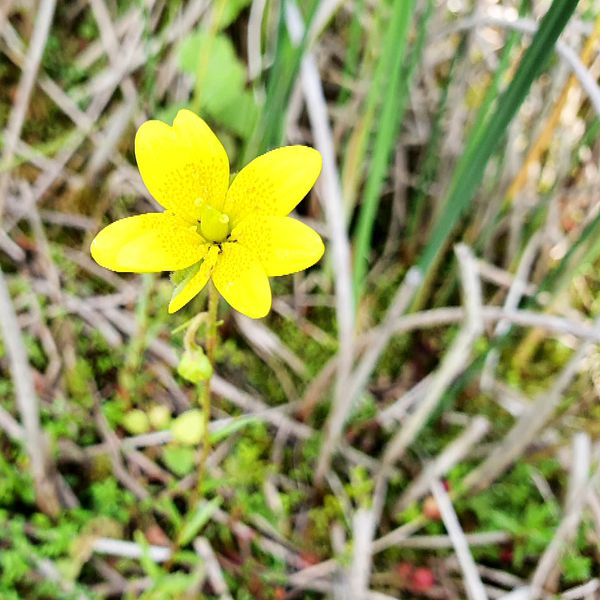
<point>238,234</point>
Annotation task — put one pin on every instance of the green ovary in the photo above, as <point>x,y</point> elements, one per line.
<point>214,225</point>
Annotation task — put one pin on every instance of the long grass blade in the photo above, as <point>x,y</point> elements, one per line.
<point>270,130</point>
<point>430,160</point>
<point>391,116</point>
<point>469,173</point>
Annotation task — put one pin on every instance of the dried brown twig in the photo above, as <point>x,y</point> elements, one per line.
<point>42,468</point>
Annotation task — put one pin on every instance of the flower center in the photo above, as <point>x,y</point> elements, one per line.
<point>214,225</point>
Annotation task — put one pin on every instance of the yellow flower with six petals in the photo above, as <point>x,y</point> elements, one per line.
<point>238,235</point>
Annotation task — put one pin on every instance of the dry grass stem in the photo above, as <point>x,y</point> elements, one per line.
<point>472,581</point>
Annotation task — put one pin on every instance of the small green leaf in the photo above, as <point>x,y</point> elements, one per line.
<point>188,428</point>
<point>220,82</point>
<point>182,277</point>
<point>197,520</point>
<point>136,422</point>
<point>179,459</point>
<point>231,427</point>
<point>166,506</point>
<point>576,567</point>
<point>151,568</point>
<point>220,76</point>
<point>159,416</point>
<point>240,116</point>
<point>229,11</point>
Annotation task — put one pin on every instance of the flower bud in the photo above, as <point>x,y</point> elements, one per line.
<point>188,427</point>
<point>194,366</point>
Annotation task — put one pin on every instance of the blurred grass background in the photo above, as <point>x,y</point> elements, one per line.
<point>418,417</point>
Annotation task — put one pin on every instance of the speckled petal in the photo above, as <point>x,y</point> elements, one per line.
<point>148,244</point>
<point>182,163</point>
<point>189,289</point>
<point>242,281</point>
<point>273,183</point>
<point>282,245</point>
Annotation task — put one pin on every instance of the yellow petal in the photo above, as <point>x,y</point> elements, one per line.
<point>182,164</point>
<point>273,183</point>
<point>148,244</point>
<point>242,281</point>
<point>281,244</point>
<point>191,287</point>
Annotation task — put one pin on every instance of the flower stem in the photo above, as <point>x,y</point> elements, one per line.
<point>211,345</point>
<point>211,339</point>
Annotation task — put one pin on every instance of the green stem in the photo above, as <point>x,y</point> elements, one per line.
<point>392,111</point>
<point>211,345</point>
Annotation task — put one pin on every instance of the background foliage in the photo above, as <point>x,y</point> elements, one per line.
<point>393,366</point>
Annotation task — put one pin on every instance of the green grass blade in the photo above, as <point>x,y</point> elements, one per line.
<point>584,249</point>
<point>391,116</point>
<point>492,92</point>
<point>270,130</point>
<point>430,160</point>
<point>470,171</point>
<point>354,159</point>
<point>354,49</point>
